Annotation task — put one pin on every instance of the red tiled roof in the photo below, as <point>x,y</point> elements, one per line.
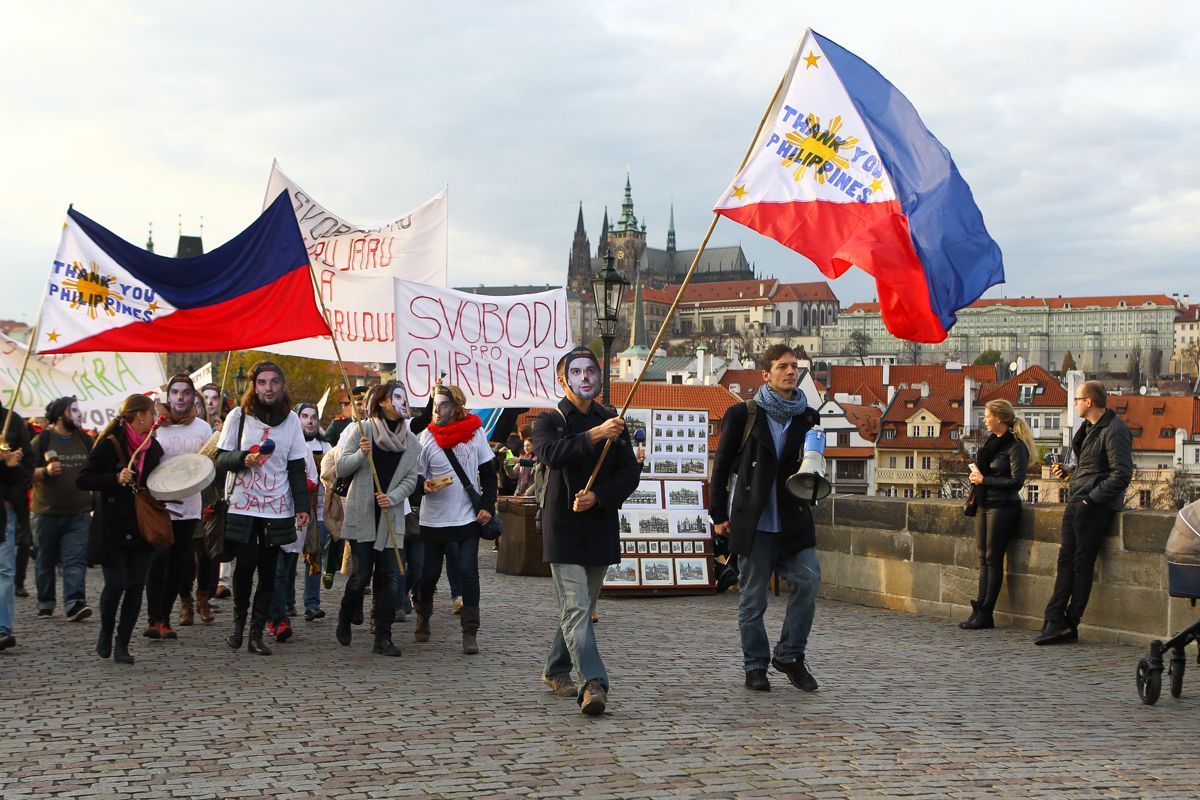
<point>1113,301</point>
<point>748,379</point>
<point>852,379</point>
<point>1053,395</point>
<point>865,418</point>
<point>849,452</point>
<point>755,293</point>
<point>1153,420</point>
<point>792,292</point>
<point>1190,314</point>
<point>865,308</point>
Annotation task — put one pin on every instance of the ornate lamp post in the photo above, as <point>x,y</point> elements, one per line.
<point>239,381</point>
<point>608,290</point>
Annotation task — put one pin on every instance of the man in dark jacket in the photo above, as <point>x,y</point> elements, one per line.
<point>15,471</point>
<point>1103,451</point>
<point>768,529</point>
<point>579,528</point>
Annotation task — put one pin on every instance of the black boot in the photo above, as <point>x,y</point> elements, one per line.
<point>384,647</point>
<point>343,627</point>
<point>256,645</point>
<point>234,639</point>
<point>980,619</point>
<point>121,652</point>
<point>104,645</point>
<point>969,623</point>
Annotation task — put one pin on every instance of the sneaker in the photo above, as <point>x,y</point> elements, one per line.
<point>458,606</point>
<point>797,674</point>
<point>757,680</point>
<point>165,630</point>
<point>594,698</point>
<point>313,613</point>
<point>21,591</point>
<point>152,631</point>
<point>7,640</point>
<point>78,612</point>
<point>45,613</point>
<point>272,628</point>
<point>283,631</point>
<point>222,592</point>
<point>560,686</point>
<point>327,580</point>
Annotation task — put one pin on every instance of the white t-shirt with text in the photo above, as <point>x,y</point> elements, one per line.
<point>451,507</point>
<point>178,440</point>
<point>263,490</point>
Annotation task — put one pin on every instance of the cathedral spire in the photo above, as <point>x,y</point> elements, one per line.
<point>579,223</point>
<point>671,232</point>
<point>602,245</point>
<point>627,222</point>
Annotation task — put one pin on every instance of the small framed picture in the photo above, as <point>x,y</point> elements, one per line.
<point>653,548</point>
<point>648,494</point>
<point>654,523</point>
<point>689,571</point>
<point>683,494</point>
<point>623,573</point>
<point>687,545</point>
<point>677,546</point>
<point>657,572</point>
<point>643,547</point>
<point>692,524</point>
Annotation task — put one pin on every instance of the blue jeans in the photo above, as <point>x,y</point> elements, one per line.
<point>285,586</point>
<point>312,583</point>
<point>802,571</point>
<point>577,588</point>
<point>460,556</point>
<point>452,574</point>
<point>62,537</point>
<point>8,568</point>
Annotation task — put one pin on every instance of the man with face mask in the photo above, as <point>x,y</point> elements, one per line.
<point>318,537</point>
<point>214,408</point>
<point>61,511</point>
<point>343,418</point>
<point>181,432</point>
<point>579,528</point>
<point>263,445</point>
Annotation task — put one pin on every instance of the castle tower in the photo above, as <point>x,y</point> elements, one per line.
<point>627,239</point>
<point>580,264</point>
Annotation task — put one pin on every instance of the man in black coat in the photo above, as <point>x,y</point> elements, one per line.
<point>16,469</point>
<point>768,529</point>
<point>1103,449</point>
<point>579,528</point>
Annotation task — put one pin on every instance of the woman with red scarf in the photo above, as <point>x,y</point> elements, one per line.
<point>126,556</point>
<point>453,443</point>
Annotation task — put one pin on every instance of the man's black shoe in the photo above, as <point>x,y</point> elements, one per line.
<point>313,613</point>
<point>756,679</point>
<point>797,674</point>
<point>7,640</point>
<point>45,613</point>
<point>1057,633</point>
<point>79,612</point>
<point>21,591</point>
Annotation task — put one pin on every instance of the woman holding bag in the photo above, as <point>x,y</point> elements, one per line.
<point>125,553</point>
<point>998,475</point>
<point>453,448</point>
<point>393,450</point>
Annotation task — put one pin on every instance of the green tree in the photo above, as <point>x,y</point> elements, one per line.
<point>988,357</point>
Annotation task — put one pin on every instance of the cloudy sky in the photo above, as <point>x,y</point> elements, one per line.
<point>1074,123</point>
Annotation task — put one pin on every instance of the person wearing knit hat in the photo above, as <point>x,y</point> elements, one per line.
<point>262,444</point>
<point>181,432</point>
<point>61,512</point>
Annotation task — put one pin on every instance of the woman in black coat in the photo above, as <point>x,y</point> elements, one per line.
<point>998,475</point>
<point>125,555</point>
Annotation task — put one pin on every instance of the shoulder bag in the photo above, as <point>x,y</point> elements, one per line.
<point>153,519</point>
<point>492,530</point>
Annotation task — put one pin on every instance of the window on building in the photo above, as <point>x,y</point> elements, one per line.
<point>954,434</point>
<point>731,324</point>
<point>1144,498</point>
<point>707,326</point>
<point>890,433</point>
<point>929,431</point>
<point>850,470</point>
<point>777,318</point>
<point>1052,422</point>
<point>1035,422</point>
<point>908,462</point>
<point>926,494</point>
<point>892,461</point>
<point>790,322</point>
<point>1025,397</point>
<point>908,492</point>
<point>1031,493</point>
<point>843,438</point>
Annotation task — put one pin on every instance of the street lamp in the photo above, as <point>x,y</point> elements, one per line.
<point>608,290</point>
<point>239,381</point>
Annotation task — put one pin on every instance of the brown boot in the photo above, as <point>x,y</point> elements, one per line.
<point>187,612</point>
<point>470,627</point>
<point>203,608</point>
<point>423,611</point>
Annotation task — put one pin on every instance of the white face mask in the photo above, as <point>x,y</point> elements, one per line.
<point>180,398</point>
<point>308,420</point>
<point>443,410</point>
<point>76,415</point>
<point>583,378</point>
<point>210,402</point>
<point>400,402</point>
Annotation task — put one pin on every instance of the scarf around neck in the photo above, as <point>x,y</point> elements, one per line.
<point>134,440</point>
<point>186,418</point>
<point>456,432</point>
<point>382,434</point>
<point>778,408</point>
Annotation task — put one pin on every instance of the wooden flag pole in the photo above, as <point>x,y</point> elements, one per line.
<point>16,395</point>
<point>354,414</point>
<point>687,279</point>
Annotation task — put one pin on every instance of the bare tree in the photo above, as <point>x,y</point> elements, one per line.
<point>860,345</point>
<point>910,353</point>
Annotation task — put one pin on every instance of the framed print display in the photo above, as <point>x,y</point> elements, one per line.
<point>654,549</point>
<point>654,523</point>
<point>624,573</point>
<point>693,524</point>
<point>666,466</point>
<point>690,571</point>
<point>657,572</point>
<point>683,494</point>
<point>647,495</point>
<point>638,419</point>
<point>687,546</point>
<point>677,547</point>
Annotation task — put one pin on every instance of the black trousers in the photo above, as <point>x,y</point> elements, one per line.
<point>166,567</point>
<point>254,556</point>
<point>1083,529</point>
<point>124,579</point>
<point>198,569</point>
<point>383,563</point>
<point>994,527</point>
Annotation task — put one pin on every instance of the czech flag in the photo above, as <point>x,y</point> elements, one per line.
<point>844,172</point>
<point>105,294</point>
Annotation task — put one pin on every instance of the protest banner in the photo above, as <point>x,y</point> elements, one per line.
<point>354,265</point>
<point>501,351</point>
<point>203,375</point>
<point>99,380</point>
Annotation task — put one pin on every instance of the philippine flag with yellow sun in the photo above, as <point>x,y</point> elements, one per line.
<point>107,295</point>
<point>845,172</point>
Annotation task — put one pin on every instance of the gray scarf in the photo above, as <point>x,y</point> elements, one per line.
<point>777,407</point>
<point>382,435</point>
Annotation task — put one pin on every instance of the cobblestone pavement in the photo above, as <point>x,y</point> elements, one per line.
<point>909,706</point>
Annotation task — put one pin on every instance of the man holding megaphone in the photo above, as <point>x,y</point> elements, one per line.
<point>769,528</point>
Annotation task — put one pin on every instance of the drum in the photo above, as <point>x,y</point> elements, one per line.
<point>181,477</point>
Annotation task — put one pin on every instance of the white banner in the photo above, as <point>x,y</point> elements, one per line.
<point>202,376</point>
<point>355,264</point>
<point>99,380</point>
<point>501,351</point>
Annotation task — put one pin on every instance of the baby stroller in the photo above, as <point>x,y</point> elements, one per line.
<point>1183,578</point>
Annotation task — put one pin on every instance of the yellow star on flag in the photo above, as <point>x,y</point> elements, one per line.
<point>811,59</point>
<point>53,336</point>
<point>739,191</point>
<point>876,185</point>
<point>154,305</point>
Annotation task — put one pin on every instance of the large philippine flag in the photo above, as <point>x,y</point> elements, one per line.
<point>845,172</point>
<point>105,294</point>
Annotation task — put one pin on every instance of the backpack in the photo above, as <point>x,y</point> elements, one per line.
<point>751,413</point>
<point>541,473</point>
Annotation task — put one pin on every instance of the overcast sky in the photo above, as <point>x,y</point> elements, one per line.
<point>1074,123</point>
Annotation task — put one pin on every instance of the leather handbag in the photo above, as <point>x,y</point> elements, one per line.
<point>971,505</point>
<point>492,530</point>
<point>153,519</point>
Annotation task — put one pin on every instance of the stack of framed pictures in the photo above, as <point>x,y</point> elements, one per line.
<point>666,538</point>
